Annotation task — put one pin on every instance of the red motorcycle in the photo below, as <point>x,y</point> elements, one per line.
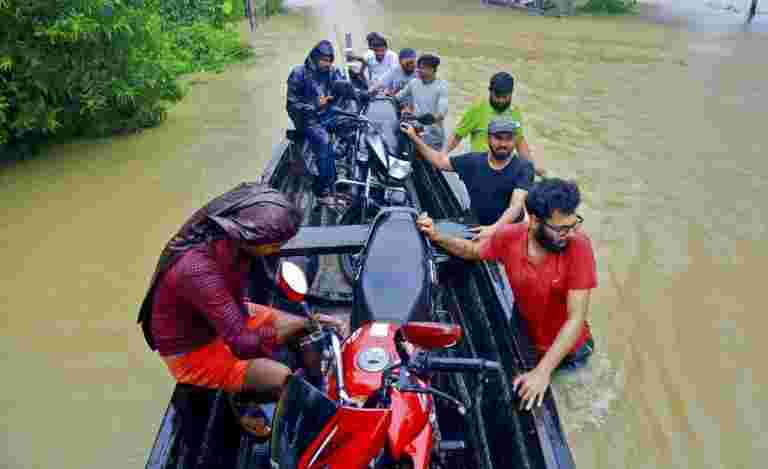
<point>377,406</point>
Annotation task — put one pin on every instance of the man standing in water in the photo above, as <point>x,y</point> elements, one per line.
<point>475,120</point>
<point>551,269</point>
<point>308,105</point>
<point>496,180</point>
<point>427,97</point>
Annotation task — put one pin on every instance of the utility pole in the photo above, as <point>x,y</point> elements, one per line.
<point>752,11</point>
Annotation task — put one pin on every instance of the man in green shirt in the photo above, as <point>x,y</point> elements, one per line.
<point>475,120</point>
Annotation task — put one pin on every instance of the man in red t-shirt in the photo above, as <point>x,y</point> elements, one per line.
<point>551,269</point>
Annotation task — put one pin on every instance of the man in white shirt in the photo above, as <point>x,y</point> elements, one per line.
<point>379,59</point>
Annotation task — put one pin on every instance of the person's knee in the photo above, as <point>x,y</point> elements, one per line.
<point>265,375</point>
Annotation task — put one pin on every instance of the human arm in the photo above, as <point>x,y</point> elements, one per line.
<point>510,215</point>
<point>202,285</point>
<point>465,126</point>
<point>581,278</point>
<point>438,159</point>
<point>406,94</point>
<point>458,247</point>
<point>384,83</point>
<point>533,384</point>
<point>453,142</point>
<point>524,151</point>
<point>297,101</point>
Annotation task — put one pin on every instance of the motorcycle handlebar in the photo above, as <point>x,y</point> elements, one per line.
<point>475,365</point>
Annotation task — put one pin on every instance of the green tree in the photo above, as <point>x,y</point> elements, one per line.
<point>609,6</point>
<point>94,67</point>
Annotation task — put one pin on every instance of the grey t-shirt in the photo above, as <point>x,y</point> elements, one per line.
<point>395,80</point>
<point>429,98</point>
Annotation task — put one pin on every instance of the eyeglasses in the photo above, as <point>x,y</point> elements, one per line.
<point>564,230</point>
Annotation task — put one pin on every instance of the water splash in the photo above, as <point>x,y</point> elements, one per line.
<point>584,397</point>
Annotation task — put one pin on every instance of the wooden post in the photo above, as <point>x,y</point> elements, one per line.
<point>752,11</point>
<point>251,14</point>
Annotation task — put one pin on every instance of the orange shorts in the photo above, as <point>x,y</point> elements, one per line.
<point>214,365</point>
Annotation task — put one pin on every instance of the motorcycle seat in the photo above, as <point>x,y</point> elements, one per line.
<point>394,283</point>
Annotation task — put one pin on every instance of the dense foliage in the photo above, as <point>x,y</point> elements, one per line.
<point>94,67</point>
<point>609,6</point>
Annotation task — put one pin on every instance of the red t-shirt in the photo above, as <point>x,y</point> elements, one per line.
<point>541,290</point>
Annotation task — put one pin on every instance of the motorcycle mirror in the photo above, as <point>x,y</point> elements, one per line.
<point>431,335</point>
<point>292,281</point>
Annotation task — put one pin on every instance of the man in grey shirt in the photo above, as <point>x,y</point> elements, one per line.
<point>428,98</point>
<point>396,79</point>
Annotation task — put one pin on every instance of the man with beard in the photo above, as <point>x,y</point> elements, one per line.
<point>551,269</point>
<point>379,59</point>
<point>309,107</point>
<point>475,120</point>
<point>497,181</point>
<point>396,79</point>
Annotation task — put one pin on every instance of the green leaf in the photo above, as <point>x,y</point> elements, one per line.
<point>6,63</point>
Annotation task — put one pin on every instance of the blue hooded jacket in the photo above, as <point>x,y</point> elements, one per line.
<point>307,83</point>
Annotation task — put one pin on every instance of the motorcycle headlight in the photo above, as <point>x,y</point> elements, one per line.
<point>399,169</point>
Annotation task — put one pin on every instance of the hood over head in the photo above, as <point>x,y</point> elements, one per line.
<point>323,47</point>
<point>251,213</point>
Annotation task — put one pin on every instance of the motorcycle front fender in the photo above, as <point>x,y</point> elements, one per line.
<point>302,414</point>
<point>350,440</point>
<point>376,145</point>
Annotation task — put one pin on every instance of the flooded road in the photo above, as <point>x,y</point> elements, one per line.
<point>660,117</point>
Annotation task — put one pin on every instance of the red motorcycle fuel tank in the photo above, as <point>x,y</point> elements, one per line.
<point>365,354</point>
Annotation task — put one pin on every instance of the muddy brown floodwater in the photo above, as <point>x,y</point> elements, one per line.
<point>660,116</point>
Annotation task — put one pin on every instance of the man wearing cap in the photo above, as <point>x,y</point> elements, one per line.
<point>475,120</point>
<point>395,80</point>
<point>496,180</point>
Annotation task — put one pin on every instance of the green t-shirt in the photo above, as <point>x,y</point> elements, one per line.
<point>475,121</point>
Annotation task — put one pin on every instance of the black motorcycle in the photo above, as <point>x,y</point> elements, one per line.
<point>374,166</point>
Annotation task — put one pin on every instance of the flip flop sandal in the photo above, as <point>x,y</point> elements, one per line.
<point>252,418</point>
